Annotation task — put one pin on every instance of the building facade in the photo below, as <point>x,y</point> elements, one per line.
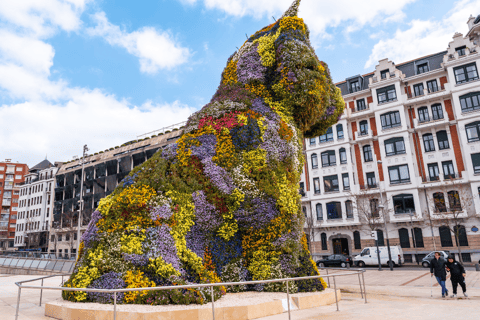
<point>101,174</point>
<point>12,176</point>
<point>404,159</point>
<point>35,208</point>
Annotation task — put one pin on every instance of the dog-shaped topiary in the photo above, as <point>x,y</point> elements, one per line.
<point>222,203</point>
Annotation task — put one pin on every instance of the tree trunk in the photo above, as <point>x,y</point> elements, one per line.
<point>457,242</point>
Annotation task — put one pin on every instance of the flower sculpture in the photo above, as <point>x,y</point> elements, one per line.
<point>222,203</point>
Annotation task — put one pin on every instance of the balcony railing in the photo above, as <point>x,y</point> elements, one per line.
<point>368,186</point>
<point>425,92</point>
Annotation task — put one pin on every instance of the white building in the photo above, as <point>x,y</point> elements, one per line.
<point>411,131</point>
<point>35,208</point>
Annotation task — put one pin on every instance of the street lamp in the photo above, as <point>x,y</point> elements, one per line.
<point>381,206</point>
<point>85,149</point>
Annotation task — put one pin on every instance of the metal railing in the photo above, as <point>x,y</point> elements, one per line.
<point>359,272</point>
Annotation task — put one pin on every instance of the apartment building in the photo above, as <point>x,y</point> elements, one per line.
<point>35,208</point>
<point>102,173</point>
<point>404,159</point>
<point>11,177</point>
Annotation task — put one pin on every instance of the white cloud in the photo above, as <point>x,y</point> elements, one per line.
<point>319,15</point>
<point>424,36</point>
<point>155,49</point>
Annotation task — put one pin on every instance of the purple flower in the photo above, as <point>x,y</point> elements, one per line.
<point>208,218</point>
<point>91,234</point>
<point>207,147</point>
<point>161,244</point>
<point>277,148</point>
<point>163,212</point>
<point>258,215</point>
<point>196,240</point>
<point>138,260</point>
<point>170,151</point>
<point>260,107</point>
<point>249,66</point>
<point>218,175</point>
<point>111,280</point>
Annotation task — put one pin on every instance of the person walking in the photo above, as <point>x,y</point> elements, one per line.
<point>437,268</point>
<point>457,275</point>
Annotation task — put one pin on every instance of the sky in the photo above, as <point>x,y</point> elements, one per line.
<point>102,72</point>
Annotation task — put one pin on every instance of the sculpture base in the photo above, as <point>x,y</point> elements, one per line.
<point>242,306</point>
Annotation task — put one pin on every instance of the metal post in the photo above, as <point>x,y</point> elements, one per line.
<point>328,278</point>
<point>85,149</point>
<point>18,303</point>
<point>213,303</point>
<point>41,292</point>
<point>288,303</point>
<point>364,289</point>
<point>360,284</point>
<point>115,305</point>
<point>335,288</point>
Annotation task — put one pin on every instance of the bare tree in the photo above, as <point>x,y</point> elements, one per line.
<point>453,205</point>
<point>311,229</point>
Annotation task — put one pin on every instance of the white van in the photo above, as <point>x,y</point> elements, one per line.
<point>368,256</point>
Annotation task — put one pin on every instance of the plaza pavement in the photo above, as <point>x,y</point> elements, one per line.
<point>398,294</point>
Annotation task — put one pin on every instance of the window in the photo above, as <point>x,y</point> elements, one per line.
<point>374,210</point>
<point>386,94</point>
<point>399,174</point>
<point>390,120</point>
<point>437,111</point>
<point>466,73</point>
<point>316,185</point>
<point>323,237</point>
<point>470,102</point>
<point>461,233</point>
<point>439,202</point>
<point>404,203</point>
<point>466,257</point>
<point>304,209</point>
<point>367,153</point>
<point>448,171</point>
<point>318,208</point>
<point>334,210</point>
<point>421,68</point>
<point>476,163</point>
<point>418,89</point>
<point>361,105</point>
<point>354,86</point>
<point>383,74</point>
<point>432,86</point>
<point>428,142</point>
<point>59,238</point>
<point>328,136</point>
<point>339,131</point>
<point>404,238</point>
<point>381,240</point>
<point>330,183</point>
<point>371,181</point>
<point>473,131</point>
<point>394,146</point>
<point>445,236</point>
<point>349,209</point>
<point>312,141</point>
<point>423,114</point>
<point>363,128</point>
<point>314,161</point>
<point>343,156</point>
<point>346,181</point>
<point>461,50</point>
<point>454,201</point>
<point>329,159</point>
<point>356,240</point>
<point>418,238</point>
<point>442,139</point>
<point>433,171</point>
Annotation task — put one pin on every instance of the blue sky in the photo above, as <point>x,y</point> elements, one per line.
<point>75,72</point>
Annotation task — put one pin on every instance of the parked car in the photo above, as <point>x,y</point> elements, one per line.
<point>368,256</point>
<point>431,255</point>
<point>335,260</point>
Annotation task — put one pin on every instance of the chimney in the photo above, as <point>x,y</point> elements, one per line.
<point>470,22</point>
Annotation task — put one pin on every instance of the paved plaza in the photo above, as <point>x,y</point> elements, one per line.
<point>403,293</point>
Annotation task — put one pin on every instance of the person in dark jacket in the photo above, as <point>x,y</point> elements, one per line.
<point>437,268</point>
<point>457,275</point>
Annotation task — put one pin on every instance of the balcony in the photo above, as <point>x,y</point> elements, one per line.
<point>431,122</point>
<point>439,180</point>
<point>6,203</point>
<point>363,136</point>
<point>429,94</point>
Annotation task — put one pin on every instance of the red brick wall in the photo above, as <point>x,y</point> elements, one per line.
<point>457,149</point>
<point>373,125</point>
<point>354,129</point>
<point>443,80</point>
<point>408,90</point>
<point>411,113</point>
<point>376,148</point>
<point>370,99</point>
<point>449,109</point>
<point>352,105</point>
<point>358,159</point>
<point>418,151</point>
